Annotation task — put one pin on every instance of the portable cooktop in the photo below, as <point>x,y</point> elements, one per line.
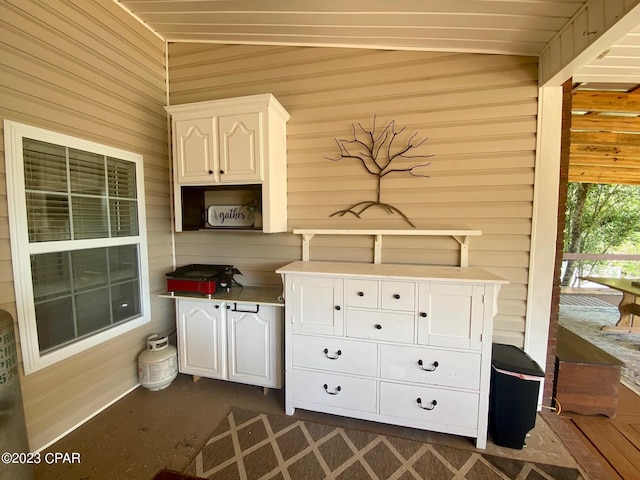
<point>202,278</point>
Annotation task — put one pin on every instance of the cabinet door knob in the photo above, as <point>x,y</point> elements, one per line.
<point>210,172</point>
<point>378,326</point>
<point>361,294</point>
<point>423,314</point>
<point>337,307</point>
<point>396,296</point>
<point>428,407</point>
<point>221,172</point>
<point>433,367</point>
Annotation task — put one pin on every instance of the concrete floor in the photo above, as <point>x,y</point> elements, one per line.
<point>147,431</point>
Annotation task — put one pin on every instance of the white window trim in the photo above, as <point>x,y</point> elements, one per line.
<point>21,249</point>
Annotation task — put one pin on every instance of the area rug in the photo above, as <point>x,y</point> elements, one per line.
<point>587,322</point>
<point>251,446</point>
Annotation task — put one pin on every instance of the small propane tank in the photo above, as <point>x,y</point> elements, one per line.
<point>158,364</point>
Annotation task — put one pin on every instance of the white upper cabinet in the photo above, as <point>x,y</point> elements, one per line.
<point>232,142</point>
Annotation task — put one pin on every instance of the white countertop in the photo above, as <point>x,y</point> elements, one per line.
<point>392,271</point>
<point>250,294</point>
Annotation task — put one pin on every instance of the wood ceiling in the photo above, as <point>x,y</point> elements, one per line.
<point>605,136</point>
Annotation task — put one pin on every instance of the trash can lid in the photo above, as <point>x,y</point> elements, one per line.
<point>513,359</point>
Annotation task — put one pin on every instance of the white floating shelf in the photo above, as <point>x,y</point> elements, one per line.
<point>461,236</point>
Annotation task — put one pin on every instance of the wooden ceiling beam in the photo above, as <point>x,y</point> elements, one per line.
<point>608,151</point>
<point>598,101</point>
<point>605,162</point>
<point>604,138</point>
<point>598,175</point>
<point>605,123</point>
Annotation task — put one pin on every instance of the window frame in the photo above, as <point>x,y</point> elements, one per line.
<point>22,249</point>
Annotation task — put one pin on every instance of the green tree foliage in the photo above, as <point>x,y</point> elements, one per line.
<point>600,219</point>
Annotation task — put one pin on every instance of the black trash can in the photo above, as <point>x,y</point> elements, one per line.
<point>513,400</point>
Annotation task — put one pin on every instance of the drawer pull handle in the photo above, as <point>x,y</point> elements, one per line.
<point>396,296</point>
<point>428,407</point>
<point>361,294</point>
<point>378,326</point>
<point>423,314</point>
<point>337,307</point>
<point>430,369</point>
<point>338,353</point>
<point>335,392</point>
<point>221,172</point>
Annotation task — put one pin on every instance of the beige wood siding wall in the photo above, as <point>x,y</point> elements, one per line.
<point>90,70</point>
<point>478,112</point>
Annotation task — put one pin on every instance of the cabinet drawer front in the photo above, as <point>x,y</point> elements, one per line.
<point>334,390</point>
<point>443,407</point>
<point>393,327</point>
<point>399,296</point>
<point>430,366</point>
<point>335,354</point>
<point>362,293</point>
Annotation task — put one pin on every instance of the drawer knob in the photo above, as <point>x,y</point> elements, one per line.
<point>431,406</point>
<point>361,294</point>
<point>335,391</point>
<point>396,296</point>
<point>423,314</point>
<point>337,307</point>
<point>432,368</point>
<point>210,172</point>
<point>378,326</point>
<point>221,172</point>
<point>338,353</point>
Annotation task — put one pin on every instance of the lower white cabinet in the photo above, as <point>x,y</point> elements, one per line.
<point>406,345</point>
<point>230,341</point>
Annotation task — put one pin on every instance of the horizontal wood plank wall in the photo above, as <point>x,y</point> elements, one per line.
<point>477,111</point>
<point>90,70</point>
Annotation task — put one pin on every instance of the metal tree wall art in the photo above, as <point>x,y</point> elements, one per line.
<point>376,152</point>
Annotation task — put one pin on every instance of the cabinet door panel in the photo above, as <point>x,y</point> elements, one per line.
<point>240,151</point>
<point>195,145</point>
<point>450,315</point>
<point>318,305</point>
<point>252,345</point>
<point>201,339</point>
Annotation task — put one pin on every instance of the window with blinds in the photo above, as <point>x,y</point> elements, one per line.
<point>80,239</point>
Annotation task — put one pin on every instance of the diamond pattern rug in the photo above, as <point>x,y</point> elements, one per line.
<point>249,445</point>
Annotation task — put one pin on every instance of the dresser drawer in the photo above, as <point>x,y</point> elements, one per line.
<point>334,390</point>
<point>398,296</point>
<point>362,293</point>
<point>432,366</point>
<point>335,354</point>
<point>438,406</point>
<point>376,325</point>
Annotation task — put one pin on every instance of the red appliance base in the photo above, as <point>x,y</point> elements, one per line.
<point>207,287</point>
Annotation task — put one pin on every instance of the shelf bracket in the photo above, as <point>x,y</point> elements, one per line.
<point>306,240</point>
<point>463,240</point>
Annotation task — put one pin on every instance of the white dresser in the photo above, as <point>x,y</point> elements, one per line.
<point>401,344</point>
